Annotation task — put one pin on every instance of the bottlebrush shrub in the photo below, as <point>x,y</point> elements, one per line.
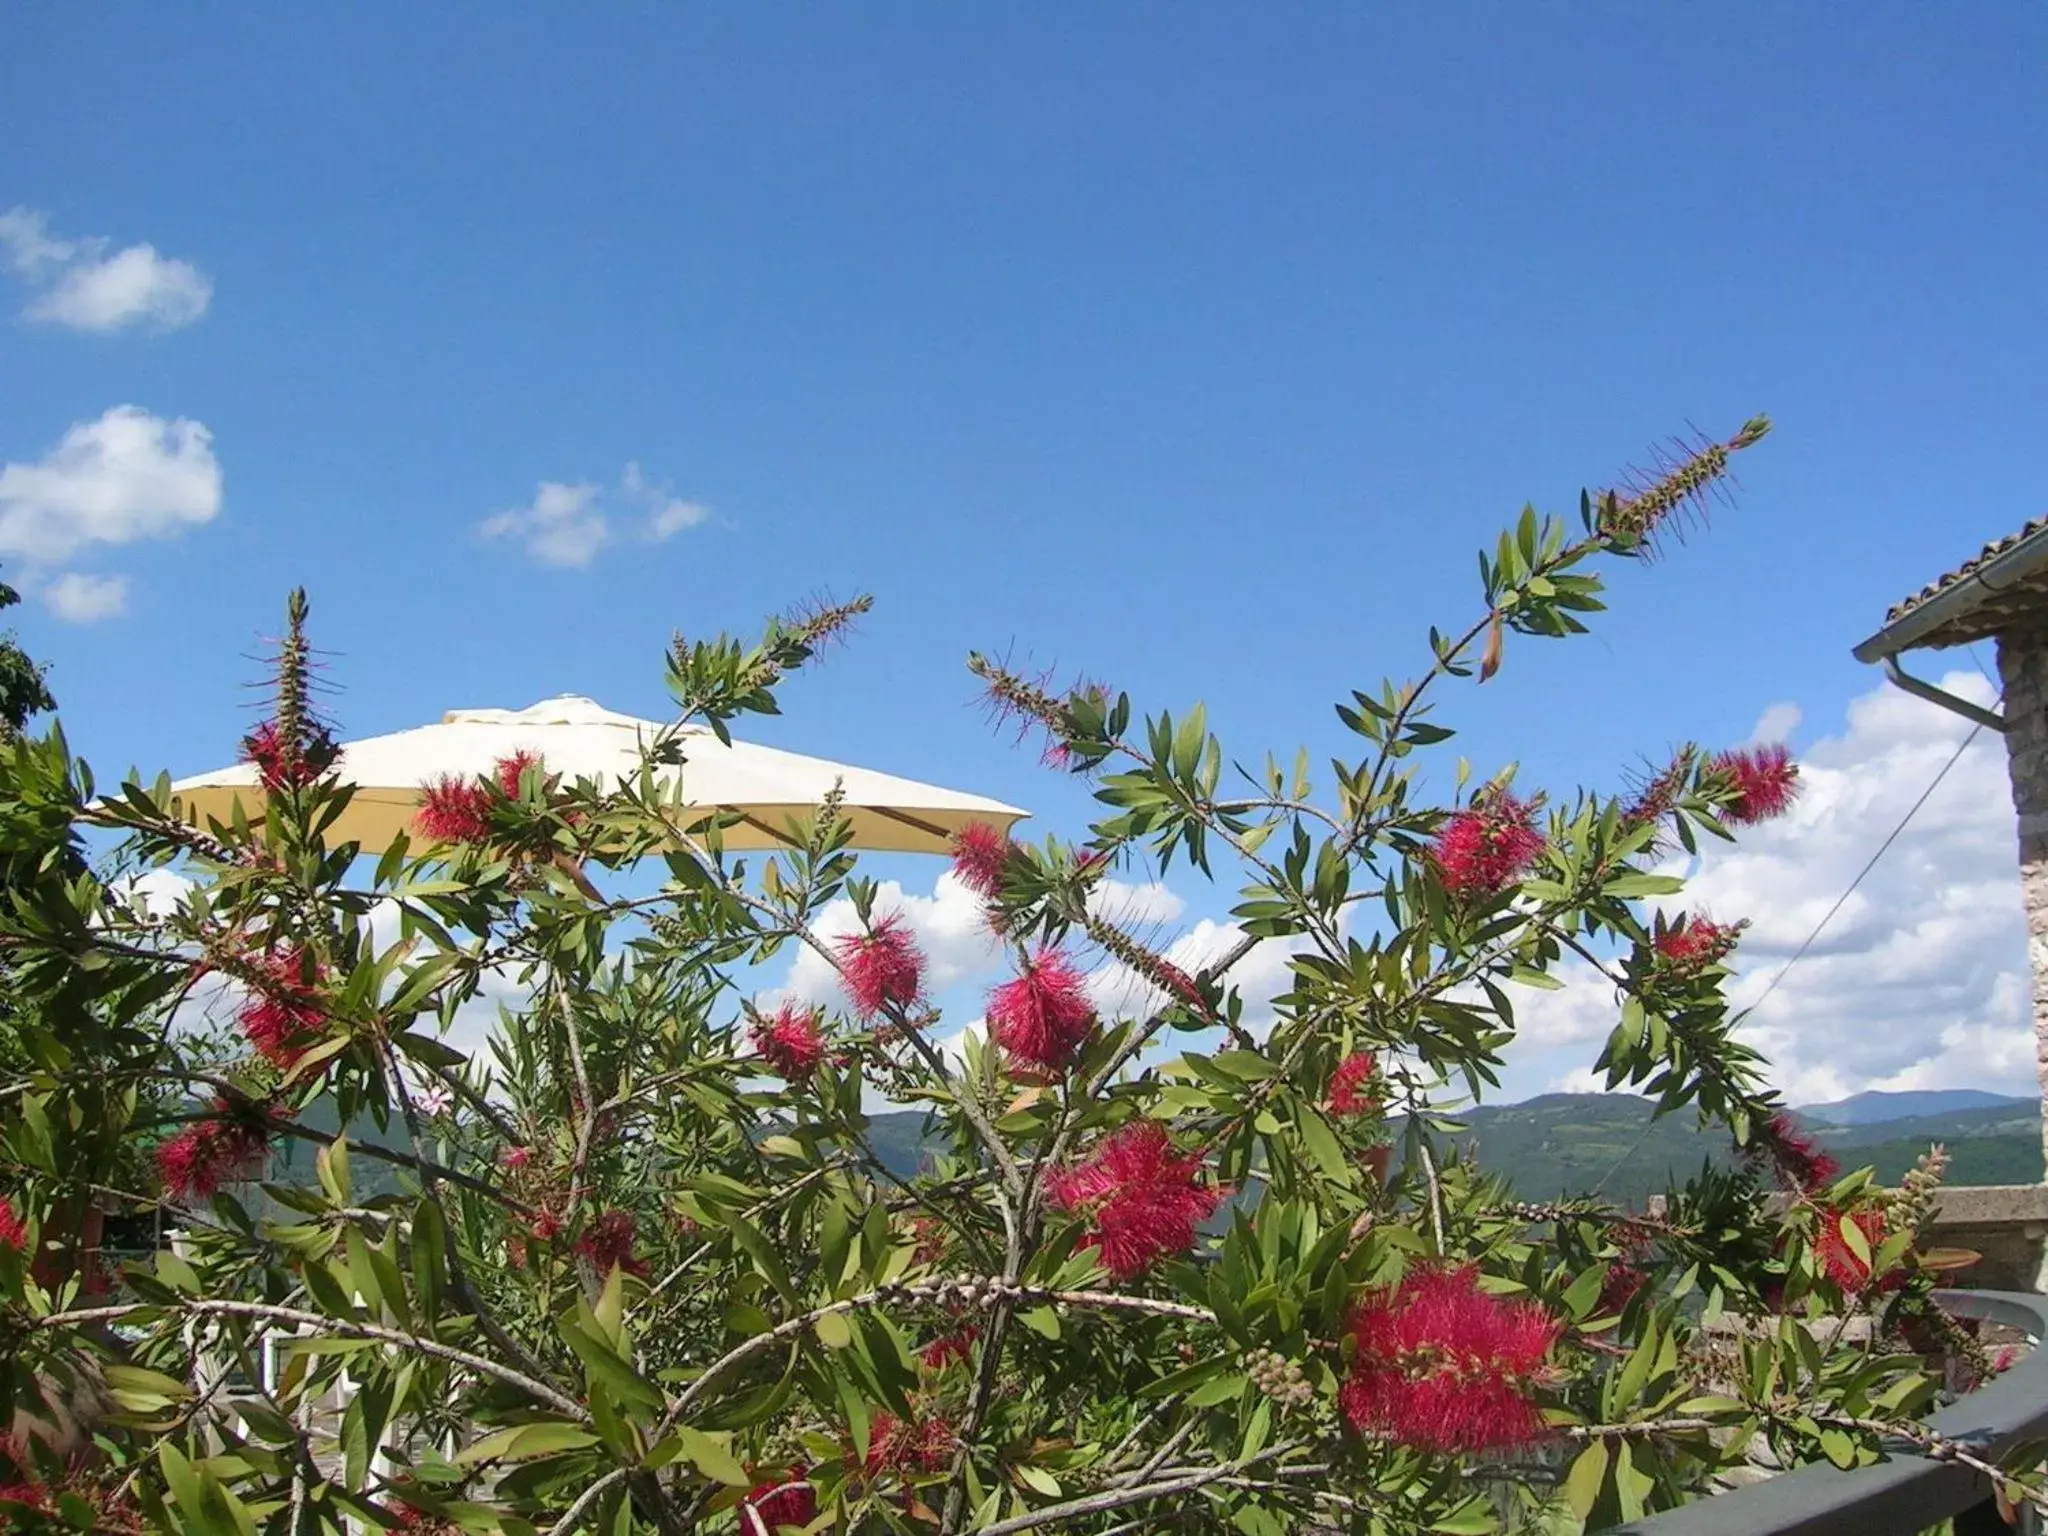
<point>637,1265</point>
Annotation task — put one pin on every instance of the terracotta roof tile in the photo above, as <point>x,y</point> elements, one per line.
<point>1964,571</point>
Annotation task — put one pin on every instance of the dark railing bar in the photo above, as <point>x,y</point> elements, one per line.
<point>1911,1492</point>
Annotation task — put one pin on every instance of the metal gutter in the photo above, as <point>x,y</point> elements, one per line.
<point>2029,557</point>
<point>2025,559</point>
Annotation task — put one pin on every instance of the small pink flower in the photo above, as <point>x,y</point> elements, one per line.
<point>13,1230</point>
<point>1043,1016</point>
<point>434,1099</point>
<point>1355,1085</point>
<point>882,967</point>
<point>1766,782</point>
<point>517,1157</point>
<point>791,1042</point>
<point>545,1227</point>
<point>981,853</point>
<point>1485,848</point>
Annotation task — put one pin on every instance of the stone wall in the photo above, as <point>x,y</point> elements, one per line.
<point>2006,1223</point>
<point>2023,675</point>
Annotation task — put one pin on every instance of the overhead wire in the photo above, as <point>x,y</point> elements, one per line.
<point>1828,917</point>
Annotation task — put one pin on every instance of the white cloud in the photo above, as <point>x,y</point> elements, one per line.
<point>81,285</point>
<point>127,476</point>
<point>1777,723</point>
<point>561,527</point>
<point>1919,980</point>
<point>1130,906</point>
<point>77,598</point>
<point>666,514</point>
<point>948,925</point>
<point>569,526</point>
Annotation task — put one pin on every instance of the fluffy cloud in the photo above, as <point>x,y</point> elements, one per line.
<point>948,926</point>
<point>666,513</point>
<point>1921,979</point>
<point>569,525</point>
<point>124,477</point>
<point>81,284</point>
<point>80,599</point>
<point>562,526</point>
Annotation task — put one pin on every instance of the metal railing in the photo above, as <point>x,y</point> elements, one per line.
<point>1912,1491</point>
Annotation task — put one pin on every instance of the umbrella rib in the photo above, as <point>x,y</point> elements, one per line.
<point>761,826</point>
<point>908,820</point>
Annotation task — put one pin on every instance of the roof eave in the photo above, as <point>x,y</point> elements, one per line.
<point>2026,559</point>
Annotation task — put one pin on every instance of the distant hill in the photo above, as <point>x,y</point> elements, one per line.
<point>1560,1143</point>
<point>1870,1108</point>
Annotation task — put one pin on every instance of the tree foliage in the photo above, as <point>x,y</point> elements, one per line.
<point>644,1270</point>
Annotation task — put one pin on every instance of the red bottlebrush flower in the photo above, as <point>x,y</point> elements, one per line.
<point>279,769</point>
<point>1142,1202</point>
<point>1355,1085</point>
<point>914,1445</point>
<point>770,1506</point>
<point>1659,793</point>
<point>1619,1288</point>
<point>980,855</point>
<point>931,1237</point>
<point>1445,1367</point>
<point>1043,1016</point>
<point>791,1042</point>
<point>545,1227</point>
<point>608,1244</point>
<point>509,771</point>
<point>1799,1161</point>
<point>209,1153</point>
<point>1485,848</point>
<point>1766,782</point>
<point>13,1230</point>
<point>1693,943</point>
<point>454,810</point>
<point>947,1348</point>
<point>1841,1263</point>
<point>882,967</point>
<point>516,1158</point>
<point>30,1495</point>
<point>414,1521</point>
<point>281,1016</point>
<point>1089,860</point>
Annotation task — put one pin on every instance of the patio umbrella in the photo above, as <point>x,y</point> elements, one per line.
<point>578,738</point>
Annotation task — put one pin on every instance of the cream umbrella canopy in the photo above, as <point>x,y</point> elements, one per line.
<point>579,739</point>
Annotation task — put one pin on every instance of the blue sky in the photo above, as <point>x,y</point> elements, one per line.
<point>1189,347</point>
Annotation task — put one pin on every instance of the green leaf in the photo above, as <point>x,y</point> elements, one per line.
<point>526,1442</point>
<point>1043,1321</point>
<point>1219,1390</point>
<point>1582,1484</point>
<point>834,1331</point>
<point>712,1455</point>
<point>1322,1144</point>
<point>1583,1294</point>
<point>1637,885</point>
